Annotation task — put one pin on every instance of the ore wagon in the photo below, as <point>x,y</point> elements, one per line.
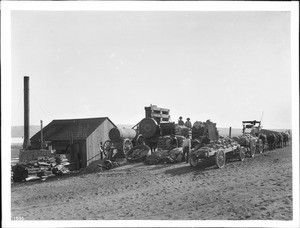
<point>218,151</point>
<point>208,146</point>
<point>250,139</point>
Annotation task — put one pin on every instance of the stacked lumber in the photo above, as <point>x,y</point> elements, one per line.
<point>40,168</point>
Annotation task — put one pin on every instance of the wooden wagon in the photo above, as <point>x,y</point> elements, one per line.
<point>119,143</point>
<point>218,151</point>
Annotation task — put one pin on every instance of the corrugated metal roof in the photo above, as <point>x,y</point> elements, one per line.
<point>77,129</point>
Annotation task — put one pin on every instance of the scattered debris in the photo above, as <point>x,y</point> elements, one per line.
<point>41,168</point>
<point>138,153</point>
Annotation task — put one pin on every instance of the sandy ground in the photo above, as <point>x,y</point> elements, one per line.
<point>259,188</point>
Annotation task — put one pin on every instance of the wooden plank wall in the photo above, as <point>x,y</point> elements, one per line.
<point>93,141</point>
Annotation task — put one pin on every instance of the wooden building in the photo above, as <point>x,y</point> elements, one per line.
<point>79,139</point>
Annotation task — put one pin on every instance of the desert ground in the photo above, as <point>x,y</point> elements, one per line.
<point>258,188</point>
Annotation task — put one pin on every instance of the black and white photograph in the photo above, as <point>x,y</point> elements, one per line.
<point>150,114</point>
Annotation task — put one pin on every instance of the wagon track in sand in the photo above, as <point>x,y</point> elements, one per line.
<point>258,188</point>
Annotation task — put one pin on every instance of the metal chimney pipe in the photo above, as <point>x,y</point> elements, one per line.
<point>26,142</point>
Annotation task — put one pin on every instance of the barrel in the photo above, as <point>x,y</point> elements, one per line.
<point>118,133</point>
<point>167,128</point>
<point>148,127</point>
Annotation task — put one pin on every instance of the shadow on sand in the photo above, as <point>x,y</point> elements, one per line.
<point>201,167</point>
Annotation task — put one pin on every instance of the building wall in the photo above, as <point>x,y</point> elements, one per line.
<point>93,141</point>
<point>78,154</point>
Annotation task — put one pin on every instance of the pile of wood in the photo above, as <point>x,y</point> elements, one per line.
<point>41,168</point>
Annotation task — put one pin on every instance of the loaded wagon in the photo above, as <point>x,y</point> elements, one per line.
<point>208,146</point>
<point>251,137</point>
<point>218,151</point>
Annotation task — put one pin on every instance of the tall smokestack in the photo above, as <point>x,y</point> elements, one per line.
<point>26,142</point>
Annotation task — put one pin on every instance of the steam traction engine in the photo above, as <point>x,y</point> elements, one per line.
<point>152,126</point>
<point>121,140</point>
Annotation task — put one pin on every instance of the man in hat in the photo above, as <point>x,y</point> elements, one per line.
<point>180,121</point>
<point>186,147</point>
<point>188,123</point>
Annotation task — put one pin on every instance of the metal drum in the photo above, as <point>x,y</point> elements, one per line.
<point>148,127</point>
<point>118,133</point>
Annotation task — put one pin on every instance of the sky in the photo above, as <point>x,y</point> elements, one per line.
<point>223,66</point>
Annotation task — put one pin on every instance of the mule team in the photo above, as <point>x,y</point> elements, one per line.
<point>275,139</point>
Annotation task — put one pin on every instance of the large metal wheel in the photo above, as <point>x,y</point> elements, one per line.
<point>220,158</point>
<point>252,149</point>
<point>260,146</point>
<point>193,161</point>
<point>242,152</point>
<point>127,145</point>
<point>106,147</point>
<point>140,140</point>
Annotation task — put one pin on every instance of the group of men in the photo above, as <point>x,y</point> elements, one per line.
<point>187,123</point>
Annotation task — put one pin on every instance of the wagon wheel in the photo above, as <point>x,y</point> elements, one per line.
<point>193,161</point>
<point>106,147</point>
<point>127,145</point>
<point>140,140</point>
<point>260,146</point>
<point>252,149</point>
<point>242,152</point>
<point>220,158</point>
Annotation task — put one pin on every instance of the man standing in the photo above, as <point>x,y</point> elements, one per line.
<point>186,146</point>
<point>188,123</point>
<point>180,121</point>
